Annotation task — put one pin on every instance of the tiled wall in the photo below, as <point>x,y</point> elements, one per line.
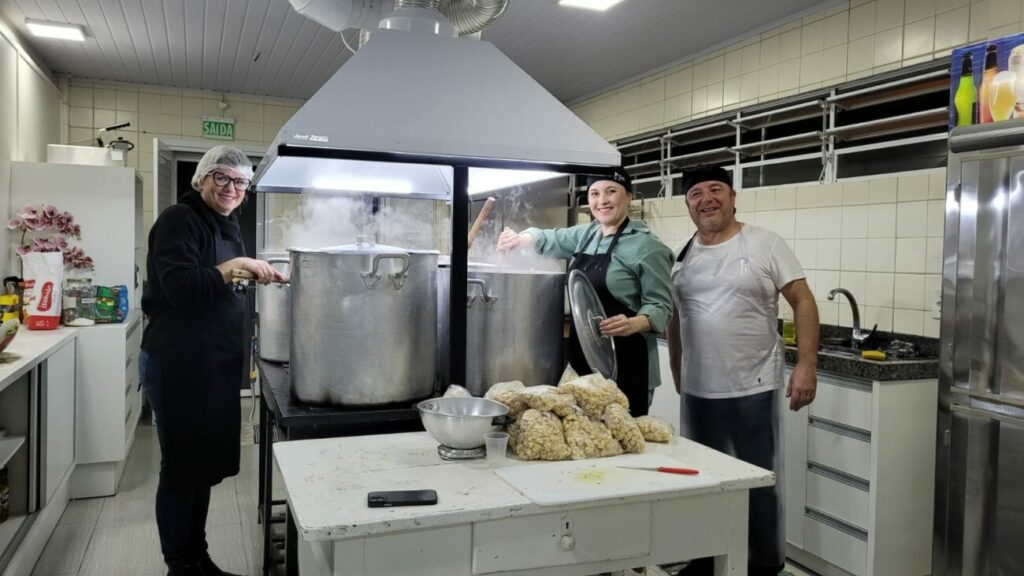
<point>845,42</point>
<point>170,113</point>
<point>879,237</point>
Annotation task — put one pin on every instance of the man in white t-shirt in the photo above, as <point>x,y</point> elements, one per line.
<point>726,352</point>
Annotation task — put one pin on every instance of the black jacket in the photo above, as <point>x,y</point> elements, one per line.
<point>195,334</point>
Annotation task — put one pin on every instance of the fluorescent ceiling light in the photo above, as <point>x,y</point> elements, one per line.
<point>599,5</point>
<point>59,30</point>
<point>482,180</point>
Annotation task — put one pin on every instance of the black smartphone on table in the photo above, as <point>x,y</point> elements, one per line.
<point>389,498</point>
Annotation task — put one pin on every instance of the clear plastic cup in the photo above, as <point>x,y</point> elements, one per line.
<point>497,446</point>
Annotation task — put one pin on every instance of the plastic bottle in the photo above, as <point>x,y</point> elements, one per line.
<point>991,69</point>
<point>966,95</point>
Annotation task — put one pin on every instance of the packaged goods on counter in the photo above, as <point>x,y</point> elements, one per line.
<point>624,428</point>
<point>589,438</point>
<point>655,428</point>
<point>508,394</point>
<point>541,437</point>
<point>594,393</point>
<point>548,399</point>
<point>568,375</point>
<point>44,272</point>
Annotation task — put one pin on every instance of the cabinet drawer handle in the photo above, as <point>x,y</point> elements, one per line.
<point>128,416</point>
<point>839,476</point>
<point>832,521</point>
<point>837,428</point>
<point>131,358</point>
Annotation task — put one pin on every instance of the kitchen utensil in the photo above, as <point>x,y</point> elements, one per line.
<point>461,423</point>
<point>485,211</point>
<point>273,304</point>
<point>665,469</point>
<point>587,314</point>
<point>497,446</point>
<point>514,326</point>
<point>363,324</point>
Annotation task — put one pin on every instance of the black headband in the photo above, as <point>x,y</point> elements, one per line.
<point>619,176</point>
<point>699,174</point>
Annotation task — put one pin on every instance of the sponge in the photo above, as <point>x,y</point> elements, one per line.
<point>872,355</point>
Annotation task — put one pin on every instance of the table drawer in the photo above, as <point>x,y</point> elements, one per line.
<point>835,543</point>
<point>844,450</point>
<point>562,538</point>
<point>838,495</point>
<point>844,402</point>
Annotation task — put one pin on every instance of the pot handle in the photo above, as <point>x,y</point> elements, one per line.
<point>397,278</point>
<point>488,298</point>
<point>502,420</point>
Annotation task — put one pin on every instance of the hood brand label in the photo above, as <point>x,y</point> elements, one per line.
<point>311,138</point>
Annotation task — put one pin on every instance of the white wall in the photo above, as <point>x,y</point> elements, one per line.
<point>850,40</point>
<point>30,111</point>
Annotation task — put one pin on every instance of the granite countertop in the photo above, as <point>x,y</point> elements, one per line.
<point>327,481</point>
<point>850,366</point>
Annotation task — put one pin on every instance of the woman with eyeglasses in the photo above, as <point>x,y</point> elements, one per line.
<point>193,349</point>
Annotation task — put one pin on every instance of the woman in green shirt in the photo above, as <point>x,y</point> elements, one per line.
<point>630,271</point>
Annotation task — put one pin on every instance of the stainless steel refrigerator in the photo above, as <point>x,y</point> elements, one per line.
<point>979,523</point>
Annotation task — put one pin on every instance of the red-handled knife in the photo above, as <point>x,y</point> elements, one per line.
<point>666,469</point>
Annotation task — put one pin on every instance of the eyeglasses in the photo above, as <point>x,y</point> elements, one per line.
<point>223,180</point>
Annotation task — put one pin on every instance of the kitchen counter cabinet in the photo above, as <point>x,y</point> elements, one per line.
<point>859,478</point>
<point>481,525</point>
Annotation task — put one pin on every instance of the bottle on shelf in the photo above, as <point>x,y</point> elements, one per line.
<point>966,95</point>
<point>987,76</point>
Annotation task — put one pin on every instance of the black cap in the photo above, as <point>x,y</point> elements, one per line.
<point>699,174</point>
<point>619,175</point>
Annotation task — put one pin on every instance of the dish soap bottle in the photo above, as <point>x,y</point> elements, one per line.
<point>966,95</point>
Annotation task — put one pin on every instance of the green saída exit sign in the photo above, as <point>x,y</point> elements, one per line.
<point>218,128</point>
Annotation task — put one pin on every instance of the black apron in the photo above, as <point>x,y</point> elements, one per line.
<point>630,351</point>
<point>199,372</point>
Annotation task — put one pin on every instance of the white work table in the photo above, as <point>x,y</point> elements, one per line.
<point>29,348</point>
<point>482,525</point>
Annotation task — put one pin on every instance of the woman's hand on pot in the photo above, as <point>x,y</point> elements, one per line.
<point>622,325</point>
<point>510,240</point>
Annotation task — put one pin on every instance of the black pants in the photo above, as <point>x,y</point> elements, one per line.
<point>747,428</point>
<point>180,509</point>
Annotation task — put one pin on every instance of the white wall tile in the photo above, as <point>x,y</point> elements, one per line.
<point>855,221</point>
<point>678,107</point>
<point>785,198</point>
<point>862,21</point>
<point>127,100</point>
<point>812,38</point>
<point>936,218</point>
<point>908,321</point>
<point>918,9</point>
<point>830,222</point>
<point>913,186</point>
<point>80,96</point>
<point>80,117</point>
<point>1003,12</point>
<point>879,289</point>
<point>765,199</point>
<point>104,98</point>
<point>749,86</point>
<point>652,91</point>
<point>751,58</point>
<point>919,38</point>
<point>854,255</point>
<point>881,255</point>
<point>888,47</point>
<point>700,101</point>
<point>715,93</point>
<point>789,45</point>
<point>882,190</point>
<point>807,223</point>
<point>931,327</point>
<point>888,14</point>
<point>103,118</point>
<point>716,69</point>
<point>951,28</point>
<point>830,253</point>
<point>979,26</point>
<point>629,121</point>
<point>149,123</point>
<point>837,29</point>
<point>830,194</point>
<point>789,76</point>
<point>909,291</point>
<point>855,192</point>
<point>881,221</point>
<point>806,252</point>
<point>769,81</point>
<point>810,69</point>
<point>855,283</point>
<point>699,77</point>
<point>828,313</point>
<point>878,316</point>
<point>629,99</point>
<point>149,103</point>
<point>731,91</point>
<point>945,5</point>
<point>937,184</point>
<point>910,255</point>
<point>912,220</point>
<point>770,50</point>
<point>122,117</point>
<point>833,63</point>
<point>826,280</point>
<point>733,64</point>
<point>785,223</point>
<point>652,115</point>
<point>933,256</point>
<point>807,196</point>
<point>765,220</point>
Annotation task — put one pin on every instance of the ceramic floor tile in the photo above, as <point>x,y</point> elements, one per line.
<point>252,532</point>
<point>128,510</point>
<point>227,548</point>
<point>123,550</point>
<point>65,549</point>
<point>85,511</point>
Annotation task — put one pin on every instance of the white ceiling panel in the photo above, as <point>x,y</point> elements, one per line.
<point>264,47</point>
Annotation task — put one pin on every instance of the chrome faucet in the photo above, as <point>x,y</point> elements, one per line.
<point>859,335</point>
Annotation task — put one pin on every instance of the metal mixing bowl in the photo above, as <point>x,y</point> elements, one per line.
<point>461,422</point>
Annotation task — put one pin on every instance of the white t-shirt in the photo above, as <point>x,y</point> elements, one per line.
<point>728,300</point>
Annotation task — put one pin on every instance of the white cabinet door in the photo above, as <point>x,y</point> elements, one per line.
<point>59,416</point>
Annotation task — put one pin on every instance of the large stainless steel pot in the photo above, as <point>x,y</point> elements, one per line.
<point>364,324</point>
<point>514,326</point>
<point>274,308</point>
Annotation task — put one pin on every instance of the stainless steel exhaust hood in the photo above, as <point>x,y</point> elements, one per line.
<point>408,105</point>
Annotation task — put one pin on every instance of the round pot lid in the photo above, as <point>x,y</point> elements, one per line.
<point>587,314</point>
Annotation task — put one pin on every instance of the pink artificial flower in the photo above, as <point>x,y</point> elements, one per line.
<point>88,262</point>
<point>62,221</point>
<point>24,249</point>
<point>36,224</point>
<point>15,224</point>
<point>76,231</point>
<point>69,216</point>
<point>29,213</point>
<point>47,216</point>
<point>61,242</point>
